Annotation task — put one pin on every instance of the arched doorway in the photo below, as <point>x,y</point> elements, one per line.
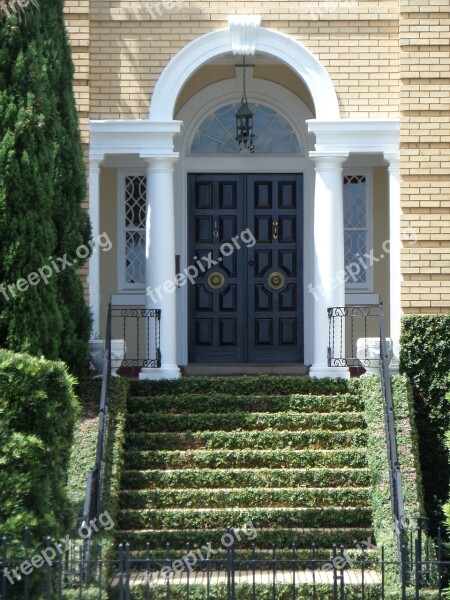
<point>250,306</point>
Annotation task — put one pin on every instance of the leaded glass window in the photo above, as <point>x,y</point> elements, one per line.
<point>273,134</point>
<point>356,228</point>
<point>134,234</point>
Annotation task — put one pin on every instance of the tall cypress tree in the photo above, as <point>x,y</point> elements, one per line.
<point>42,185</point>
<point>30,320</point>
<point>69,189</point>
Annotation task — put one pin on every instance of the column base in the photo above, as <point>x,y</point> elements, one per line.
<point>164,372</point>
<point>322,371</point>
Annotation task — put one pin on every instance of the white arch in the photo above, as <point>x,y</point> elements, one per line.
<point>213,44</point>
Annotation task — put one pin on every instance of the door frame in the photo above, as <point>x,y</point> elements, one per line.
<point>297,113</point>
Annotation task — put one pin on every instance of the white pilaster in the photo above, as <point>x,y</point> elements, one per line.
<point>160,262</point>
<point>395,275</point>
<point>94,261</point>
<point>328,289</point>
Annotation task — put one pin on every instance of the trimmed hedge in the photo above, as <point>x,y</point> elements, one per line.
<point>425,358</point>
<point>245,459</point>
<point>157,422</point>
<point>38,412</point>
<point>220,402</point>
<point>220,478</point>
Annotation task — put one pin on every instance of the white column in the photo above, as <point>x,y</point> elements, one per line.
<point>395,276</point>
<point>328,289</point>
<point>160,262</point>
<point>94,261</point>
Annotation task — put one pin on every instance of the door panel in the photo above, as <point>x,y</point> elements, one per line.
<point>246,305</point>
<point>277,270</point>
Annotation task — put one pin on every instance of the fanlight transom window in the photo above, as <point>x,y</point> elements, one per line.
<point>273,133</point>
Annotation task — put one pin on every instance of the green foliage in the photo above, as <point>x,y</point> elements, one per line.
<point>383,525</point>
<point>260,517</point>
<point>115,439</point>
<point>237,440</point>
<point>82,455</point>
<point>38,410</point>
<point>245,459</point>
<point>41,189</point>
<point>283,538</point>
<point>287,421</point>
<point>250,497</point>
<point>244,591</point>
<point>69,189</point>
<point>425,358</point>
<point>250,386</point>
<point>271,478</point>
<point>226,403</point>
<point>30,321</point>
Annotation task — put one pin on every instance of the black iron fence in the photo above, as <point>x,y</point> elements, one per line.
<point>62,570</point>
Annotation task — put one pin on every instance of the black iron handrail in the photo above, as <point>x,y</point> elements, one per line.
<point>337,316</point>
<point>148,356</point>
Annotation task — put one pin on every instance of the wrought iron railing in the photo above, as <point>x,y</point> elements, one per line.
<point>140,330</point>
<point>346,325</point>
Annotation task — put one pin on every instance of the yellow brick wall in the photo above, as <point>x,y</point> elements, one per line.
<point>387,58</point>
<point>425,156</point>
<point>356,40</point>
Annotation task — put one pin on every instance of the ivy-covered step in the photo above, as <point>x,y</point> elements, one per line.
<point>303,538</point>
<point>267,478</point>
<point>207,518</point>
<point>290,421</point>
<point>210,459</point>
<point>244,497</point>
<point>287,455</point>
<point>263,385</point>
<point>239,440</point>
<point>220,402</point>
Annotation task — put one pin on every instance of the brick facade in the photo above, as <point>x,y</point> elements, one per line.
<point>387,58</point>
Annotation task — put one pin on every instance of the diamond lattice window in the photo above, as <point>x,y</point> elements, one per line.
<point>355,226</point>
<point>135,202</point>
<point>273,134</point>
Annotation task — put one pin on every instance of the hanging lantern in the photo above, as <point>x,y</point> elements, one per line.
<point>244,121</point>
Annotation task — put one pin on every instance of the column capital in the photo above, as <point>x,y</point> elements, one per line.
<point>328,159</point>
<point>394,161</point>
<point>95,160</point>
<point>161,163</point>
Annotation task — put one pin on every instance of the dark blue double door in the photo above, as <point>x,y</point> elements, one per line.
<point>246,241</point>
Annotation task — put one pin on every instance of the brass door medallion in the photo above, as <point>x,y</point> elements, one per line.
<point>275,280</point>
<point>216,280</point>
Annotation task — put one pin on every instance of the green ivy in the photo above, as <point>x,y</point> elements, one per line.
<point>425,358</point>
<point>158,421</point>
<point>270,478</point>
